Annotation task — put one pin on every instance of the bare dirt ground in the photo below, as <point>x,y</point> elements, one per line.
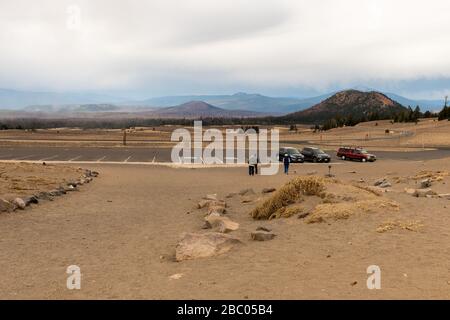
<point>122,228</point>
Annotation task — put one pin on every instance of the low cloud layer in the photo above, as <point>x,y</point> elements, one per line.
<point>162,47</point>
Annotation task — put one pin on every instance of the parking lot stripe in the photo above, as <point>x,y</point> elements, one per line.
<point>102,158</point>
<point>126,160</point>
<point>76,158</point>
<point>49,158</point>
<point>26,157</point>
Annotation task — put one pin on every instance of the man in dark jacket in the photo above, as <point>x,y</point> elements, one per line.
<point>286,161</point>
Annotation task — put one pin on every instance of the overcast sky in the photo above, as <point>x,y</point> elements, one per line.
<point>275,47</point>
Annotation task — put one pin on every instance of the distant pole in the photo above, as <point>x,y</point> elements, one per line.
<point>445,104</point>
<point>125,137</point>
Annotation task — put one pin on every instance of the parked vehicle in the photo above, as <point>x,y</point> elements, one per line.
<point>351,153</point>
<point>292,153</point>
<point>315,155</point>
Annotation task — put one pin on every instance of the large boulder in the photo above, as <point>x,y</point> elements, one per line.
<point>224,224</point>
<point>196,245</point>
<point>422,193</point>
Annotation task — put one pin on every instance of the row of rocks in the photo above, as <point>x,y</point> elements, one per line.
<point>22,203</point>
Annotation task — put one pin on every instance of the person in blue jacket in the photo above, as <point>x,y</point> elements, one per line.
<point>286,161</point>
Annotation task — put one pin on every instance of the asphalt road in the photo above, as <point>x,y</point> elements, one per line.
<point>75,154</point>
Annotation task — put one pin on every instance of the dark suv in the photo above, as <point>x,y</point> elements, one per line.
<point>315,155</point>
<point>350,153</point>
<point>292,153</point>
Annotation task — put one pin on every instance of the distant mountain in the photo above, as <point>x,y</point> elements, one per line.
<point>199,109</point>
<point>50,101</point>
<point>73,108</point>
<point>349,103</point>
<point>425,105</point>
<point>238,101</point>
<point>13,99</point>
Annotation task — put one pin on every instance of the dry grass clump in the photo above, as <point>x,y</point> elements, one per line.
<point>404,225</point>
<point>286,212</point>
<point>290,193</point>
<point>339,211</point>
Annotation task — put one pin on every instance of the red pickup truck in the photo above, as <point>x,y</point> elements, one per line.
<point>350,153</point>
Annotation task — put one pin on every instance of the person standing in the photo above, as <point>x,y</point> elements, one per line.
<point>286,161</point>
<point>252,162</point>
<point>256,165</point>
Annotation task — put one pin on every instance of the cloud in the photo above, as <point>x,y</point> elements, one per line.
<point>201,46</point>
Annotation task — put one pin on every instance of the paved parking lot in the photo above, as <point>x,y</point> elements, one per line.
<point>89,154</point>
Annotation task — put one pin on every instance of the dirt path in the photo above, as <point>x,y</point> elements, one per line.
<point>122,228</point>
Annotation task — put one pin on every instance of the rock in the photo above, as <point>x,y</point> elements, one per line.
<point>382,183</point>
<point>30,200</point>
<point>311,173</point>
<point>6,206</point>
<point>246,192</point>
<point>246,200</point>
<point>211,203</point>
<point>44,196</point>
<point>176,276</point>
<point>19,203</point>
<point>195,245</point>
<point>426,183</point>
<point>410,191</point>
<point>268,190</point>
<point>203,203</point>
<point>56,193</point>
<point>62,190</point>
<point>444,195</point>
<point>70,188</point>
<point>262,235</point>
<point>94,174</point>
<point>224,224</point>
<point>216,208</point>
<point>231,195</point>
<point>210,197</point>
<point>422,193</point>
<point>379,182</point>
<point>72,184</point>
<point>263,229</point>
<point>385,184</point>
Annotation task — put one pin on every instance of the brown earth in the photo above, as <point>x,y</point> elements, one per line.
<point>121,230</point>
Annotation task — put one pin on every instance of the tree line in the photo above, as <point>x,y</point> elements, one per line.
<point>407,115</point>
